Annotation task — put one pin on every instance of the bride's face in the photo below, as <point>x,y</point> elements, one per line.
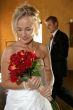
<point>25,29</point>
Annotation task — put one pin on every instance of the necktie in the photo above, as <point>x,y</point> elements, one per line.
<point>50,44</point>
<point>51,37</point>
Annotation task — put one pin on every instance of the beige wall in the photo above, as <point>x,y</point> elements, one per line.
<point>63,9</point>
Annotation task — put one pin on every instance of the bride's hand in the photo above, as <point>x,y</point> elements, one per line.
<point>45,91</point>
<point>34,82</point>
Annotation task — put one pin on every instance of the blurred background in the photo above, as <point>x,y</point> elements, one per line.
<point>63,10</point>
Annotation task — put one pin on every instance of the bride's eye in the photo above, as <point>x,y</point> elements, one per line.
<point>19,29</point>
<point>28,29</point>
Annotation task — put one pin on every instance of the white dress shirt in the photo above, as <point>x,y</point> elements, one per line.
<point>51,41</point>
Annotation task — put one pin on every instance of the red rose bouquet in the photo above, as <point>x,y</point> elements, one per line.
<point>23,65</point>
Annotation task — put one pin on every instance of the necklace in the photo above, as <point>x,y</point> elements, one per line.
<point>31,46</point>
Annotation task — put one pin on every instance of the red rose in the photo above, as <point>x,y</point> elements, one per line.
<point>14,59</point>
<point>11,67</point>
<point>22,67</point>
<point>14,75</point>
<point>21,54</point>
<point>16,72</point>
<point>32,56</point>
<point>28,63</point>
<point>13,78</point>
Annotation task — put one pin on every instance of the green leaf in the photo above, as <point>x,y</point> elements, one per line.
<point>34,70</point>
<point>25,78</point>
<point>54,105</point>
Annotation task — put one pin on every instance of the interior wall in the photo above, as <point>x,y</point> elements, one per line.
<point>63,9</point>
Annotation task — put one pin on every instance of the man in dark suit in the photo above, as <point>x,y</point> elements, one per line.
<point>59,51</point>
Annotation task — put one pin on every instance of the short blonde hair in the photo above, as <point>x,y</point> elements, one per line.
<point>24,10</point>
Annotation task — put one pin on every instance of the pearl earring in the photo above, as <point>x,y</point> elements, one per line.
<point>19,38</point>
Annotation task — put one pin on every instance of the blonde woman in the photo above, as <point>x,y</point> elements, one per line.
<point>28,95</point>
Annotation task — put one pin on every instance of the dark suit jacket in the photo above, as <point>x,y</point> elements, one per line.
<point>59,53</point>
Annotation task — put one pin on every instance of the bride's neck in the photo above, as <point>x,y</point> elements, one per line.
<point>29,44</point>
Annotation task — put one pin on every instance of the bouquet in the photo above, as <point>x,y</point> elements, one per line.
<point>23,65</point>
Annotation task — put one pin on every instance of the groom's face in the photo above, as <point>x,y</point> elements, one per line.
<point>52,26</point>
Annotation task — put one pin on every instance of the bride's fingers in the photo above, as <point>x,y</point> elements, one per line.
<point>33,85</point>
<point>35,82</point>
<point>33,78</point>
<point>46,92</point>
<point>47,95</point>
<point>48,89</point>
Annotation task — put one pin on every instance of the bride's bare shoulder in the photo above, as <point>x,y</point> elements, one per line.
<point>43,47</point>
<point>8,51</point>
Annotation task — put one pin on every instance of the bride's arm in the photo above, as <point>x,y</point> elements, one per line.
<point>47,74</point>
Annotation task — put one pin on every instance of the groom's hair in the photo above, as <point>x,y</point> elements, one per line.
<point>52,18</point>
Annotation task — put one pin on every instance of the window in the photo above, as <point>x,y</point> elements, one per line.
<point>38,38</point>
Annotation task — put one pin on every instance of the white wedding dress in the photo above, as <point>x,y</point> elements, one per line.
<point>26,100</point>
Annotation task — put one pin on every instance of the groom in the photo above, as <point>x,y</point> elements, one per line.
<point>58,47</point>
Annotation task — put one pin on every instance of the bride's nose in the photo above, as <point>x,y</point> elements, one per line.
<point>24,33</point>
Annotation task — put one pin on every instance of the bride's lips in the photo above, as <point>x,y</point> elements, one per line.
<point>25,38</point>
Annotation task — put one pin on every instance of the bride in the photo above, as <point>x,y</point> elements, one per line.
<point>30,95</point>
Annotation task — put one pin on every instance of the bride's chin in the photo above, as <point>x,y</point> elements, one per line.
<point>27,41</point>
